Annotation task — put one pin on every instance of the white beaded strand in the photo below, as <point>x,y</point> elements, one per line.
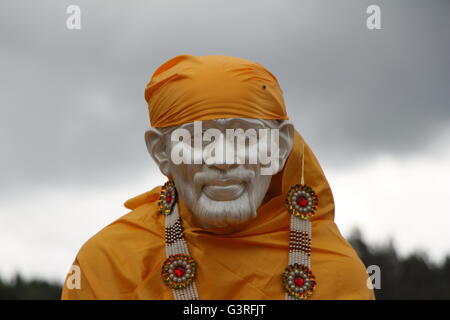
<point>179,246</point>
<point>299,256</point>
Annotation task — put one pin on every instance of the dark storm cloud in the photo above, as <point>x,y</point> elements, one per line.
<point>72,107</point>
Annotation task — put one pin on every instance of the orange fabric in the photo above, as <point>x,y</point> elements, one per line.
<point>123,261</point>
<point>188,88</point>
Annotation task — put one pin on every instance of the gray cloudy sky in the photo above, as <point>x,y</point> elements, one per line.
<point>371,103</point>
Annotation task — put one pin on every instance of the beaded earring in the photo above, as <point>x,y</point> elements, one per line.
<point>301,201</point>
<point>179,269</point>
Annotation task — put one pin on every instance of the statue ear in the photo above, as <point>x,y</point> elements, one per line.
<point>286,130</point>
<point>156,146</point>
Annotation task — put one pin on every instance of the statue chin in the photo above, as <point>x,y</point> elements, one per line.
<point>212,213</point>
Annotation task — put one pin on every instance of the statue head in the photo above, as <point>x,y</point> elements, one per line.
<point>223,168</point>
<point>220,131</point>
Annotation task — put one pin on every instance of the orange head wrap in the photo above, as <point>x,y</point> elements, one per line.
<point>188,88</point>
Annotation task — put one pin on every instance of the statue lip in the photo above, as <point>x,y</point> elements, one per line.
<point>224,182</point>
<point>229,190</point>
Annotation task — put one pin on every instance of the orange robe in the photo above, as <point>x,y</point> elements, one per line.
<point>123,261</point>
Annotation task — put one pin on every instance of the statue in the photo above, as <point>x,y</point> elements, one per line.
<point>246,213</point>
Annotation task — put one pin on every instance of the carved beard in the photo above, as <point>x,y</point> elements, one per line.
<point>213,213</point>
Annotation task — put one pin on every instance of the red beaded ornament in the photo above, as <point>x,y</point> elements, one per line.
<point>178,271</point>
<point>299,281</point>
<point>302,201</point>
<point>167,198</point>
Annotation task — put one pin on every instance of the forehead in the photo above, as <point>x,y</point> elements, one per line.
<point>223,124</point>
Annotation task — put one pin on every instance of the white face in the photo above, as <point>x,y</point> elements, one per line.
<point>220,195</point>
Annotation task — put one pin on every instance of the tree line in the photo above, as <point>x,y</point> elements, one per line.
<point>410,277</point>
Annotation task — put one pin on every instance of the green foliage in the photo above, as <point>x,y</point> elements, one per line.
<point>412,277</point>
<point>20,289</point>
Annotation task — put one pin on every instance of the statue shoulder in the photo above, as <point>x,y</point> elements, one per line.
<point>339,271</point>
<point>122,253</point>
<point>140,226</point>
